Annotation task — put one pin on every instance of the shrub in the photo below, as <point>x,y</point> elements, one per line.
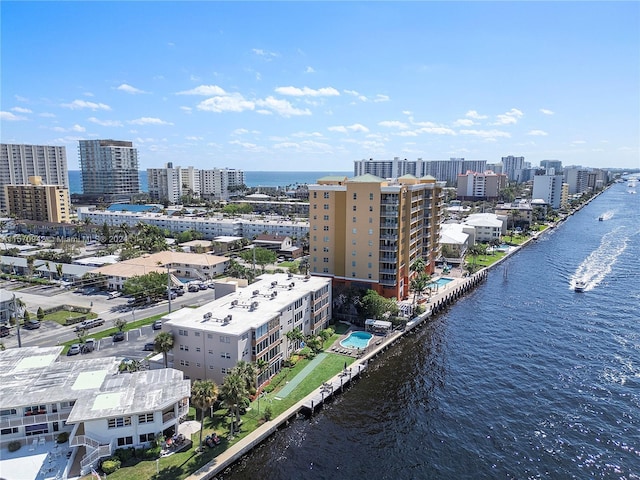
<point>269,388</point>
<point>14,445</point>
<point>63,437</point>
<point>110,465</point>
<point>305,352</point>
<point>124,454</point>
<point>152,453</point>
<point>268,413</point>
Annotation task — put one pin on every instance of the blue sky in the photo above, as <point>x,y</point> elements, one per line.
<point>315,86</point>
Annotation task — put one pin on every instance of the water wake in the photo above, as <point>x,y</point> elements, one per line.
<point>599,263</point>
<point>608,215</point>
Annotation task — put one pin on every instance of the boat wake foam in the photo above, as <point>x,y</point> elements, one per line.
<point>599,263</point>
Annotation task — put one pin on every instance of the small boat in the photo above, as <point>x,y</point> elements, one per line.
<point>580,286</point>
<point>601,218</point>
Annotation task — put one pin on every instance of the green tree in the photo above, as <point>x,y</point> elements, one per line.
<point>261,366</point>
<point>59,268</point>
<point>234,392</point>
<point>262,256</point>
<point>163,344</point>
<point>377,306</point>
<point>247,370</point>
<point>204,394</point>
<point>40,314</point>
<point>295,336</point>
<point>152,285</point>
<point>106,234</point>
<point>119,323</point>
<point>418,285</point>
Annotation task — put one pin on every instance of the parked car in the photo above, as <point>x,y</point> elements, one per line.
<point>172,295</point>
<point>118,336</point>
<point>87,324</point>
<point>202,286</point>
<point>32,324</point>
<point>89,345</point>
<point>114,295</point>
<point>157,325</point>
<point>73,350</point>
<point>212,286</point>
<point>193,287</point>
<point>4,331</point>
<point>149,347</point>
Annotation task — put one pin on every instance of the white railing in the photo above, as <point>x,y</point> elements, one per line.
<point>90,458</point>
<point>78,440</point>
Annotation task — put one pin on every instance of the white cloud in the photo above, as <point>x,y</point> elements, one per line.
<point>393,124</point>
<point>58,129</point>
<point>475,115</point>
<point>68,139</point>
<point>407,112</point>
<point>264,53</point>
<point>356,94</point>
<point>195,78</point>
<point>80,104</point>
<point>194,138</point>
<point>148,121</point>
<point>129,89</point>
<point>78,128</point>
<point>10,117</point>
<point>309,70</point>
<point>228,103</point>
<point>437,130</point>
<point>21,110</point>
<point>247,146</point>
<point>463,122</point>
<point>547,112</point>
<point>105,123</point>
<point>308,92</point>
<point>407,133</point>
<point>240,131</point>
<point>381,98</point>
<point>205,90</point>
<point>488,134</point>
<point>47,115</point>
<point>356,127</point>
<point>306,134</point>
<point>539,133</point>
<point>186,109</point>
<point>282,107</point>
<point>509,118</point>
<point>88,94</point>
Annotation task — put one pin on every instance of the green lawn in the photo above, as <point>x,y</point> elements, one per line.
<point>482,261</point>
<point>181,465</point>
<point>62,315</point>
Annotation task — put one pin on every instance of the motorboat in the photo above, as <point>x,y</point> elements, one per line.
<point>580,286</point>
<point>601,218</point>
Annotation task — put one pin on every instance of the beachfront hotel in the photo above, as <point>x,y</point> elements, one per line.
<point>98,407</point>
<point>248,324</point>
<point>367,231</point>
<point>109,168</point>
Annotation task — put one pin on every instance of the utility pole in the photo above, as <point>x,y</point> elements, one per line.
<point>15,314</point>
<point>169,287</point>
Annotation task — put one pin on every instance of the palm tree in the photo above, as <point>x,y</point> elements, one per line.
<point>418,285</point>
<point>247,370</point>
<point>59,270</point>
<point>234,391</point>
<point>204,394</point>
<point>261,366</point>
<point>418,265</point>
<point>163,343</point>
<point>295,336</point>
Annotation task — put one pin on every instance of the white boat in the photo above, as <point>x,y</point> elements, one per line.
<point>580,286</point>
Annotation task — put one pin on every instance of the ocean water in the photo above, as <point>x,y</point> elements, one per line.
<point>523,378</point>
<point>252,179</point>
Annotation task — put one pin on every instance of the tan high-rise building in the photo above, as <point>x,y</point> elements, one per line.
<point>367,231</point>
<point>36,201</point>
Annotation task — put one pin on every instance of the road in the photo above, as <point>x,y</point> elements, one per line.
<point>52,334</point>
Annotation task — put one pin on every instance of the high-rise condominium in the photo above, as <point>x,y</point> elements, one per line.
<point>367,231</point>
<point>19,162</point>
<point>109,168</point>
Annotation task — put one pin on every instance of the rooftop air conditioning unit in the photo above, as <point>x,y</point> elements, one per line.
<point>274,294</point>
<point>292,284</point>
<point>256,292</point>
<point>207,316</point>
<point>274,283</point>
<point>234,303</point>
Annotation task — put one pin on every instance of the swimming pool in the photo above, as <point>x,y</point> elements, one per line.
<point>357,340</point>
<point>441,282</point>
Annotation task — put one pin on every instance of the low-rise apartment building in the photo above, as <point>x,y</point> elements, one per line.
<point>100,408</point>
<point>249,324</point>
<point>182,266</point>
<point>488,226</point>
<point>37,201</point>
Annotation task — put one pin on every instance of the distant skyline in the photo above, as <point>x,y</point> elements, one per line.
<point>298,86</point>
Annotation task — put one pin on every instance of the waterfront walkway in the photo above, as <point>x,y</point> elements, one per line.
<point>288,388</point>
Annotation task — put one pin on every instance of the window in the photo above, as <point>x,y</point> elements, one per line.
<point>325,270</point>
<point>197,334</point>
<point>326,228</point>
<point>354,231</point>
<point>326,206</point>
<point>147,437</point>
<point>353,254</point>
<point>324,249</point>
<point>10,411</point>
<point>184,348</point>
<point>326,217</point>
<point>145,418</point>
<point>369,264</point>
<point>370,208</point>
<point>325,259</point>
<point>210,336</point>
<point>184,363</point>
<point>8,431</point>
<point>119,422</point>
<point>326,195</point>
<point>184,333</point>
<point>325,239</point>
<point>370,220</point>
<point>371,231</point>
<point>125,441</point>
<point>315,194</point>
<point>35,410</point>
<point>224,339</point>
<point>355,219</point>
<point>371,243</point>
<point>210,352</point>
<point>223,371</point>
<point>197,349</point>
<point>225,355</point>
<point>353,264</point>
<point>355,196</point>
<point>371,196</point>
<point>354,208</point>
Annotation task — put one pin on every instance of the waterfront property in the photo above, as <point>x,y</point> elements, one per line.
<point>357,340</point>
<point>98,408</point>
<point>248,324</point>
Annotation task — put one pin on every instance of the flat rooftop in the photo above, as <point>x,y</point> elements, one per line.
<point>274,293</point>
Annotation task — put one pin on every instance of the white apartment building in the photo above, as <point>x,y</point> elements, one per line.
<point>249,324</point>
<point>100,408</point>
<point>480,186</point>
<point>109,168</point>
<point>512,167</point>
<point>441,170</point>
<point>171,183</point>
<point>549,189</point>
<point>488,226</point>
<point>247,226</point>
<point>19,162</point>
